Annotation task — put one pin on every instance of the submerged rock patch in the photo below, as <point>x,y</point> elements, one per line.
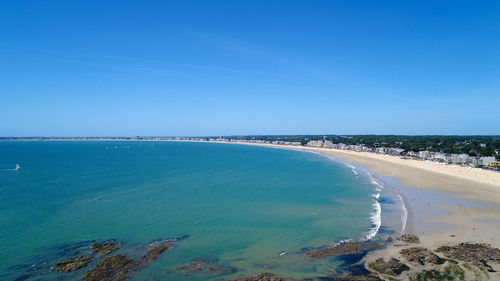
<point>263,277</point>
<point>205,269</point>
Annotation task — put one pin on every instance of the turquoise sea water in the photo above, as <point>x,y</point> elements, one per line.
<point>242,206</point>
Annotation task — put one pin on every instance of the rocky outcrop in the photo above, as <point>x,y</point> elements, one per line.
<point>120,267</point>
<point>409,238</point>
<point>205,269</point>
<point>263,277</point>
<point>104,249</point>
<point>477,254</point>
<point>71,264</point>
<point>392,267</point>
<point>420,255</point>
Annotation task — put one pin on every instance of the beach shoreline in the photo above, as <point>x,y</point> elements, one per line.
<point>440,209</point>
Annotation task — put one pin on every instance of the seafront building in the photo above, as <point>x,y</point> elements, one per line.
<point>447,158</point>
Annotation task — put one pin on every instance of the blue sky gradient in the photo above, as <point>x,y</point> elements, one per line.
<point>126,68</point>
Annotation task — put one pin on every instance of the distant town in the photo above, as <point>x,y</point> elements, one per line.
<point>472,151</point>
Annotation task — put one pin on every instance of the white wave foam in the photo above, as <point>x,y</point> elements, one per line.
<point>376,216</point>
<point>376,220</point>
<point>340,242</point>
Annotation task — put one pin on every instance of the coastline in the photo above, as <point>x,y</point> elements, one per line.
<point>446,204</point>
<point>440,209</point>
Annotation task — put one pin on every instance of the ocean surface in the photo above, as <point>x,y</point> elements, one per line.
<point>246,208</point>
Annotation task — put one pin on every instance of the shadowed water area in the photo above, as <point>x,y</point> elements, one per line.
<point>240,209</point>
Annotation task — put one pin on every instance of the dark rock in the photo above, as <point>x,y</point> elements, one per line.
<point>104,249</point>
<point>420,255</point>
<point>263,277</point>
<point>113,268</point>
<point>410,238</point>
<point>119,267</point>
<point>478,254</point>
<point>388,239</point>
<point>392,267</point>
<point>71,264</point>
<point>205,269</point>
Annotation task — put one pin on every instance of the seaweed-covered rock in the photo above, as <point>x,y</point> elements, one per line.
<point>420,255</point>
<point>392,267</point>
<point>343,248</point>
<point>410,238</point>
<point>478,254</point>
<point>263,277</point>
<point>113,268</point>
<point>205,269</point>
<point>103,249</point>
<point>71,264</point>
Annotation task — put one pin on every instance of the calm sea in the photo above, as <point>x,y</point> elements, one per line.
<point>248,208</point>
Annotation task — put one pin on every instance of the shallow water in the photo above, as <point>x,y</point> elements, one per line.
<point>242,206</point>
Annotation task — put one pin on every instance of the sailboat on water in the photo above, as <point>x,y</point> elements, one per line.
<point>17,167</point>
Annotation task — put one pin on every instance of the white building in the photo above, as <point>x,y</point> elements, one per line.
<point>315,143</point>
<point>424,154</point>
<point>328,144</point>
<point>486,161</point>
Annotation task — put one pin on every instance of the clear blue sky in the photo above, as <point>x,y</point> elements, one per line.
<point>126,68</point>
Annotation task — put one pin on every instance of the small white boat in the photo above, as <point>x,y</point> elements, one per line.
<point>17,167</point>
